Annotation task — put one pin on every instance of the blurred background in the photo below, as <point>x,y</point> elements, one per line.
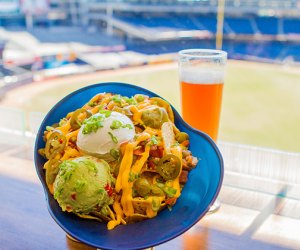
<point>49,48</point>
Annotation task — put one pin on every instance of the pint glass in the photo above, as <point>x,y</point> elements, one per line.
<point>201,75</point>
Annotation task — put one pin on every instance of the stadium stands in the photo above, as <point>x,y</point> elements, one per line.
<point>150,21</point>
<point>251,37</point>
<point>232,24</point>
<point>267,25</point>
<point>291,26</point>
<point>240,25</point>
<point>291,52</point>
<point>209,22</point>
<point>153,27</point>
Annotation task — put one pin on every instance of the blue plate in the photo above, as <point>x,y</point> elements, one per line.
<point>198,194</point>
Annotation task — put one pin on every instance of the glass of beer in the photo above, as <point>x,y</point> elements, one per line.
<point>201,75</point>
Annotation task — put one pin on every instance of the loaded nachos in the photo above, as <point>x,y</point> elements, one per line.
<point>117,159</point>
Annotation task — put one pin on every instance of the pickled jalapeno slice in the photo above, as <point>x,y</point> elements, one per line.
<point>169,166</point>
<point>75,122</point>
<point>55,144</point>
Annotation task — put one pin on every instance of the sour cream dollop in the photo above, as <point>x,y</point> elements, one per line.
<point>101,133</point>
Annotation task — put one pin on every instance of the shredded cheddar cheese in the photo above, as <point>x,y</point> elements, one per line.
<point>126,199</point>
<point>70,153</point>
<point>137,167</point>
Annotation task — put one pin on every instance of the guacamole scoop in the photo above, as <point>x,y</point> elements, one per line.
<point>83,185</point>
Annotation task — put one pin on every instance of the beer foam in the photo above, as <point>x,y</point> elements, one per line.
<point>203,76</point>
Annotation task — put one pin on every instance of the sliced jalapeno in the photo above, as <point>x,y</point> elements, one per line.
<point>52,171</point>
<point>181,137</point>
<point>162,103</point>
<point>154,118</point>
<point>156,191</point>
<point>115,153</point>
<point>156,203</point>
<point>55,144</point>
<point>74,121</point>
<point>169,167</point>
<point>142,186</point>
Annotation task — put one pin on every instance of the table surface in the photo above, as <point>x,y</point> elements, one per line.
<point>260,207</point>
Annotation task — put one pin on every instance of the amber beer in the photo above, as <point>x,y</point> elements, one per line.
<point>201,85</point>
<point>201,106</point>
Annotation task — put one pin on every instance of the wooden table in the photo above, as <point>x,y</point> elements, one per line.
<point>260,204</point>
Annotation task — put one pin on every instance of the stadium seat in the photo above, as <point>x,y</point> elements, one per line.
<point>267,25</point>
<point>209,22</point>
<point>240,25</point>
<point>291,26</point>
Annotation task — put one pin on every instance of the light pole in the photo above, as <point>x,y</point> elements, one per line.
<point>220,24</point>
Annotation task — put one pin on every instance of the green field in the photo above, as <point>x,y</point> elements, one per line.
<point>261,104</point>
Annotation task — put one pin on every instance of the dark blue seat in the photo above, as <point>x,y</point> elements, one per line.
<point>240,25</point>
<point>291,26</point>
<point>267,25</point>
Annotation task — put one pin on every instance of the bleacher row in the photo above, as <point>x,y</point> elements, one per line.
<point>252,37</point>
<point>230,4</point>
<point>280,52</point>
<point>232,25</point>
